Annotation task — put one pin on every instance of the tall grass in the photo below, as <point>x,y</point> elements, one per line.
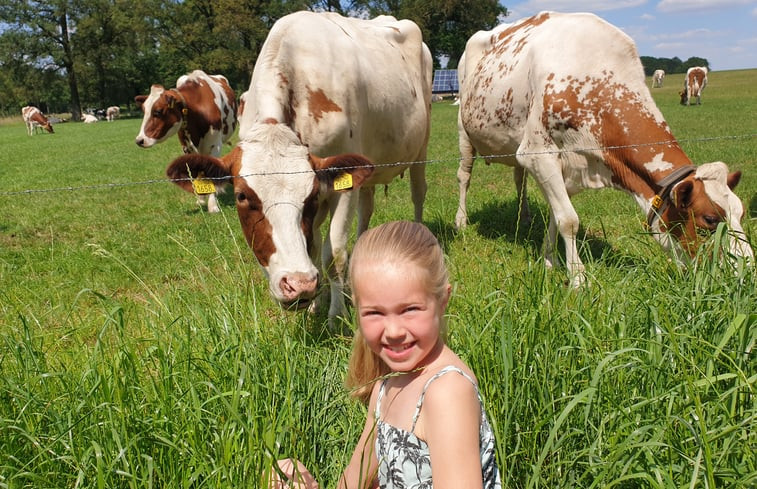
<point>139,346</point>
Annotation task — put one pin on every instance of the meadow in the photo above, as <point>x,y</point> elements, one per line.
<point>140,348</point>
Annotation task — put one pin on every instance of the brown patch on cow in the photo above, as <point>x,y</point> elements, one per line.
<point>270,120</point>
<point>256,228</point>
<point>618,119</point>
<point>319,103</point>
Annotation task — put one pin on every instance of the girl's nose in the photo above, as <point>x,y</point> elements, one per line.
<point>393,328</point>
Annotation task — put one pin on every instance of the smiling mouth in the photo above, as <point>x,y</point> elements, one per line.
<point>399,348</point>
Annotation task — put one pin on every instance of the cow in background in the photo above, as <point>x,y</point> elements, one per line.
<point>202,110</point>
<point>658,78</point>
<point>89,118</point>
<point>330,97</point>
<point>112,113</point>
<point>693,84</point>
<point>35,120</point>
<point>532,99</point>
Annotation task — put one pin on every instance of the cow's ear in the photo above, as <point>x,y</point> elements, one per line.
<point>342,172</point>
<point>140,99</point>
<point>733,179</point>
<point>681,194</point>
<point>195,165</point>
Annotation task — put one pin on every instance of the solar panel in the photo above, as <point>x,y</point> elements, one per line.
<point>445,81</point>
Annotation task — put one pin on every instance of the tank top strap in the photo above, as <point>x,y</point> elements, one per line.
<point>377,414</point>
<point>449,368</point>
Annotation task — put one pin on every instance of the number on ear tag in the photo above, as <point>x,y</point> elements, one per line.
<point>203,186</point>
<point>343,181</point>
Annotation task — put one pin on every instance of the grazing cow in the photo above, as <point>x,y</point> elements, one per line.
<point>35,120</point>
<point>531,96</point>
<point>89,118</point>
<point>324,85</point>
<point>202,109</point>
<point>112,113</point>
<point>658,78</point>
<point>693,84</point>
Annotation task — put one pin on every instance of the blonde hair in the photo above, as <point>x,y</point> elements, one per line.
<point>398,242</point>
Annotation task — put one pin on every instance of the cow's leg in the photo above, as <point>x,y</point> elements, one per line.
<point>334,254</point>
<point>418,187</point>
<point>520,177</point>
<point>563,217</point>
<point>464,171</point>
<point>366,202</point>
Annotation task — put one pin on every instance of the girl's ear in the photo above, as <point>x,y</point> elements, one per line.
<point>447,294</point>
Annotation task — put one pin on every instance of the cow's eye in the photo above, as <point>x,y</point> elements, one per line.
<point>157,113</point>
<point>241,197</point>
<point>711,220</point>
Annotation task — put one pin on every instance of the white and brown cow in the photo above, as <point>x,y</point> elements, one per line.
<point>112,113</point>
<point>532,99</point>
<point>693,84</point>
<point>202,110</point>
<point>658,78</point>
<point>35,120</point>
<point>324,85</point>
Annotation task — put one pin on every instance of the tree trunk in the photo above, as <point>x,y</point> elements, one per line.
<point>68,62</point>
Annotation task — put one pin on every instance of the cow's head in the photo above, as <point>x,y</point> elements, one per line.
<point>684,96</point>
<point>279,189</point>
<point>699,203</point>
<point>163,115</point>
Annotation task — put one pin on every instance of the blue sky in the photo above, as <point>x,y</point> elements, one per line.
<point>724,32</point>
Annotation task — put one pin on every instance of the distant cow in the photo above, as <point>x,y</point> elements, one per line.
<point>658,78</point>
<point>112,113</point>
<point>693,84</point>
<point>89,118</point>
<point>202,109</point>
<point>35,120</point>
<point>531,96</point>
<point>324,85</point>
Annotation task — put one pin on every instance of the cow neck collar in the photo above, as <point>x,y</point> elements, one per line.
<point>661,200</point>
<point>184,137</point>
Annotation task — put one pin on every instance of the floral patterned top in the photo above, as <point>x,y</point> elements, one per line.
<point>404,460</point>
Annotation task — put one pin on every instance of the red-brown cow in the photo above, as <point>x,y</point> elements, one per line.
<point>202,109</point>
<point>693,84</point>
<point>35,120</point>
<point>531,98</point>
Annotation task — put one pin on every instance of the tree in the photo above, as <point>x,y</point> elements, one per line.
<point>44,28</point>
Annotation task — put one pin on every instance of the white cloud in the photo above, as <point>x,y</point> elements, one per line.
<point>531,7</point>
<point>689,6</point>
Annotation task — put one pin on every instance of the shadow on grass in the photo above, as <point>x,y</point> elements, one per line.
<point>500,220</point>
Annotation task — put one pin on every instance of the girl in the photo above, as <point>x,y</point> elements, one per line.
<point>426,425</point>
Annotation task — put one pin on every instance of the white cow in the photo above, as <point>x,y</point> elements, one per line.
<point>693,84</point>
<point>89,118</point>
<point>531,96</point>
<point>324,85</point>
<point>112,113</point>
<point>658,78</point>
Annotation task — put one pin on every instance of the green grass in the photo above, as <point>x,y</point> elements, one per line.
<point>139,346</point>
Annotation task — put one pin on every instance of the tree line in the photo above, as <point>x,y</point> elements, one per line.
<point>66,55</point>
<point>671,65</point>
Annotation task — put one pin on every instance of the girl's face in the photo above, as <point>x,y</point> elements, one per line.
<point>400,319</point>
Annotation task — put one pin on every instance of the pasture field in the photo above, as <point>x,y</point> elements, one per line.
<point>140,348</point>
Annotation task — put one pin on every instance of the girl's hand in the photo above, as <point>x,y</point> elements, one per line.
<point>298,476</point>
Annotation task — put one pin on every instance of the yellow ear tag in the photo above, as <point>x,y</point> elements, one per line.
<point>203,186</point>
<point>343,181</point>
